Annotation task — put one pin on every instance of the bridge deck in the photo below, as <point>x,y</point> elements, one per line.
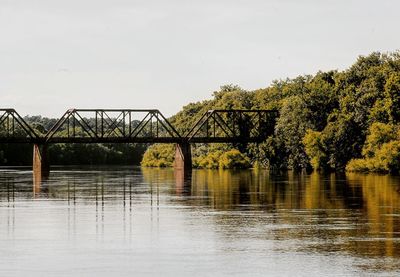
<point>131,140</point>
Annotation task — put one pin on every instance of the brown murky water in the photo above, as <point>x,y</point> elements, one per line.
<point>154,222</point>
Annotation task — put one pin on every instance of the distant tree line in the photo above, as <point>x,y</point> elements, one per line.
<point>333,120</point>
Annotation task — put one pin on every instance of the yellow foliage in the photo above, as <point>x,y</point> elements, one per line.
<point>314,148</point>
<point>223,159</point>
<point>385,159</point>
<point>159,155</point>
<point>234,159</point>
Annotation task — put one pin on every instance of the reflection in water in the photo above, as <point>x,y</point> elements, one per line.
<point>355,214</point>
<point>342,223</point>
<point>358,214</point>
<point>183,181</point>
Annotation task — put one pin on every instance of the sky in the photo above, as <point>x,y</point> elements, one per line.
<point>164,54</point>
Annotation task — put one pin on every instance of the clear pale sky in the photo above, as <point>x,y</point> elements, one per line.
<point>163,54</point>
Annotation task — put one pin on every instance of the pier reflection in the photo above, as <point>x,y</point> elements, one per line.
<point>352,214</point>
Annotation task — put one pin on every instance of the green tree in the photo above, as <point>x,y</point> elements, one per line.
<point>392,93</point>
<point>316,149</point>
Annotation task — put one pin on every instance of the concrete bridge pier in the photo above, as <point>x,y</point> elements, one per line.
<point>40,166</point>
<point>183,157</point>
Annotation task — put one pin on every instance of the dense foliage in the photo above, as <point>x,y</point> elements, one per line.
<point>159,155</point>
<point>326,120</point>
<point>381,151</point>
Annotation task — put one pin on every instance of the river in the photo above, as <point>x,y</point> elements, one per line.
<point>156,222</point>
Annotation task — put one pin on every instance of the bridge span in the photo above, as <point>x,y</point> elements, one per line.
<point>137,126</point>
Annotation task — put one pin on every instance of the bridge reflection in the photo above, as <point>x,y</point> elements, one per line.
<point>352,213</point>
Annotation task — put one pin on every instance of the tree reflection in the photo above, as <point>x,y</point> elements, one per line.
<point>353,213</point>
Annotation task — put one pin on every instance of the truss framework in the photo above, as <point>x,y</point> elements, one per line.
<point>84,125</point>
<point>140,126</point>
<point>13,128</point>
<point>233,126</point>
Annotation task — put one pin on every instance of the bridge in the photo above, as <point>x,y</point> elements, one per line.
<point>136,126</point>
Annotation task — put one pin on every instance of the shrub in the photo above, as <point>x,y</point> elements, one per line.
<point>159,155</point>
<point>222,159</point>
<point>360,165</point>
<point>211,160</point>
<point>386,159</point>
<point>234,159</point>
<point>379,133</point>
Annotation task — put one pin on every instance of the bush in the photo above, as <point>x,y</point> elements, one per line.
<point>379,133</point>
<point>222,159</point>
<point>211,160</point>
<point>159,155</point>
<point>386,159</point>
<point>359,165</point>
<point>234,159</point>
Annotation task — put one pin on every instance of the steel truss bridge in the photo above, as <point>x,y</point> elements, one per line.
<point>139,126</point>
<point>135,126</point>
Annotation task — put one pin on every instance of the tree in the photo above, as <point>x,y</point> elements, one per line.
<point>392,93</point>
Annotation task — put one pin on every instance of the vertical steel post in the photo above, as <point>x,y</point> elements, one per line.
<point>157,124</point>
<point>95,127</point>
<point>102,124</point>
<point>130,123</point>
<point>73,125</point>
<point>123,123</point>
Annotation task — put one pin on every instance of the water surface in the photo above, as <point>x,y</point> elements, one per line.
<point>152,222</point>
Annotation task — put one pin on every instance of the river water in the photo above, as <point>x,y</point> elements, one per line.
<point>157,222</point>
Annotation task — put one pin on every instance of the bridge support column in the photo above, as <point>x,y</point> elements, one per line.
<point>41,166</point>
<point>183,157</point>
